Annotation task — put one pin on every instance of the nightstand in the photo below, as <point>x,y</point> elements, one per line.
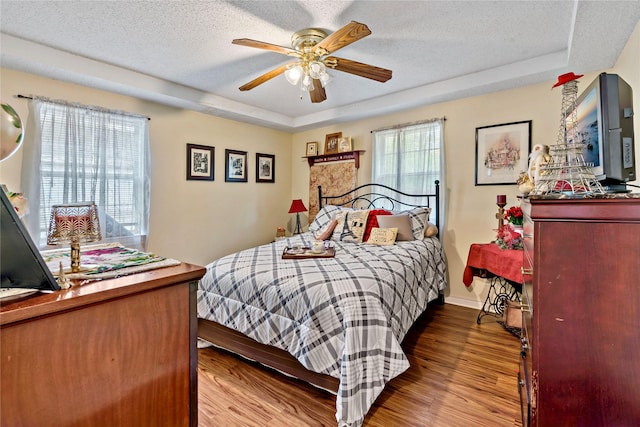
<point>503,269</point>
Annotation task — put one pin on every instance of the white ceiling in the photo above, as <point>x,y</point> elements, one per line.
<point>180,52</point>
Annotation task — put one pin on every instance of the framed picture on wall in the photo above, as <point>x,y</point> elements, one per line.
<point>331,143</point>
<point>265,167</point>
<point>502,152</point>
<point>235,166</point>
<point>200,162</point>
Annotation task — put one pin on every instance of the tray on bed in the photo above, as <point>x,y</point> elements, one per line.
<point>304,253</point>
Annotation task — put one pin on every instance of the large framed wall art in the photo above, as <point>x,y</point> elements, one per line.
<point>502,152</point>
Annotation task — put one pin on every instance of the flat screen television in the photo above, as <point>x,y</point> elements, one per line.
<point>21,264</point>
<point>605,126</point>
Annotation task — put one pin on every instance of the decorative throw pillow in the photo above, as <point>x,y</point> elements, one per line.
<point>419,218</point>
<point>340,217</point>
<point>351,225</point>
<point>383,236</point>
<point>372,221</point>
<point>401,222</point>
<point>430,230</point>
<point>324,217</point>
<point>327,232</point>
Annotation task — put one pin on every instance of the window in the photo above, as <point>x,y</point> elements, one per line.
<point>410,157</point>
<point>81,154</point>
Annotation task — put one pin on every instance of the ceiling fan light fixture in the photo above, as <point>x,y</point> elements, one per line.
<point>316,69</point>
<point>324,79</point>
<point>312,48</point>
<point>307,84</point>
<point>294,73</point>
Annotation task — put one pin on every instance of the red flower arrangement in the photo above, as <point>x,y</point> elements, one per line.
<point>508,238</point>
<point>514,215</point>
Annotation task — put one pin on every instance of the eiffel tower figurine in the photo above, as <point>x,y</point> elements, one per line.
<point>567,173</point>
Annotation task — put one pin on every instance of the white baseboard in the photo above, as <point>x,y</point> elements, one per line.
<point>463,302</point>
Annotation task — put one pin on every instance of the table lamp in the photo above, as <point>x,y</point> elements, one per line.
<point>75,223</point>
<point>296,207</point>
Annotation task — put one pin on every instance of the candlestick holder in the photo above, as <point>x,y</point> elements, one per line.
<point>500,215</point>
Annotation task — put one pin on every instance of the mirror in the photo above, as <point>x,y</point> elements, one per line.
<point>11,132</point>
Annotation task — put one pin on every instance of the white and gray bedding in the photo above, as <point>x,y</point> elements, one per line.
<point>344,316</point>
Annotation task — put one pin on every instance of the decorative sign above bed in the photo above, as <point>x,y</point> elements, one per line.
<point>323,158</point>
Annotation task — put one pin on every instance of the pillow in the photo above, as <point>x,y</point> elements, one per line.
<point>430,230</point>
<point>327,232</point>
<point>372,221</point>
<point>383,236</point>
<point>324,217</point>
<point>351,225</point>
<point>340,225</point>
<point>401,222</point>
<point>419,218</point>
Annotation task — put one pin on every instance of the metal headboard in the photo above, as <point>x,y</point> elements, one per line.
<point>368,196</point>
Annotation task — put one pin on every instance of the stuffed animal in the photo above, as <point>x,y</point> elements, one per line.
<point>539,156</point>
<point>525,186</point>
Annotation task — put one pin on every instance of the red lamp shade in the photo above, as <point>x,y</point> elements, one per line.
<point>297,206</point>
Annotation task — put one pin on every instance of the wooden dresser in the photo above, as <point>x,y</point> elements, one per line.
<point>581,312</point>
<point>118,352</point>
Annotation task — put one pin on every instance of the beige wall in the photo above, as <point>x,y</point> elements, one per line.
<point>470,209</point>
<point>200,221</point>
<point>194,221</point>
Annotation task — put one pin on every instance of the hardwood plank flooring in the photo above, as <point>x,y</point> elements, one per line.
<point>461,374</point>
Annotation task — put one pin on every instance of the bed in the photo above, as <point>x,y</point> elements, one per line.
<point>335,322</point>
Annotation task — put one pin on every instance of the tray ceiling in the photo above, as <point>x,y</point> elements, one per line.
<point>180,53</point>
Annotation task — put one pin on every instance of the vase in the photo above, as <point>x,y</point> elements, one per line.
<point>517,229</point>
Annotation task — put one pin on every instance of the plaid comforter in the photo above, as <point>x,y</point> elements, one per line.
<point>344,316</point>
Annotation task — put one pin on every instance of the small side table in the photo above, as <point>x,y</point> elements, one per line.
<point>503,268</point>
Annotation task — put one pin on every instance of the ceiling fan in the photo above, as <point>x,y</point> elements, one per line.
<point>312,47</point>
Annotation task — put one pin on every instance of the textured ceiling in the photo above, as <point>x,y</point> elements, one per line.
<point>180,52</point>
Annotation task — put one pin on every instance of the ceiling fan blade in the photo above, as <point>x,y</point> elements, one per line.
<point>317,94</point>
<point>265,77</point>
<point>346,35</point>
<point>359,69</point>
<point>266,46</point>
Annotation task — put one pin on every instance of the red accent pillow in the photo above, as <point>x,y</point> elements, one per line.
<point>372,221</point>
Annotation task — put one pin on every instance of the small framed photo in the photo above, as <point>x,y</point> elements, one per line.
<point>235,166</point>
<point>312,148</point>
<point>265,167</point>
<point>344,145</point>
<point>200,162</point>
<point>331,143</point>
<point>502,152</point>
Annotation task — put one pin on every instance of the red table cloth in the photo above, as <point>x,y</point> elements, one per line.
<point>505,263</point>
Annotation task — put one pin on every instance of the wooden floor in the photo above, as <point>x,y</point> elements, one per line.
<point>461,374</point>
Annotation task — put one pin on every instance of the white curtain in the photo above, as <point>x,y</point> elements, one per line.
<point>410,158</point>
<point>76,153</point>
